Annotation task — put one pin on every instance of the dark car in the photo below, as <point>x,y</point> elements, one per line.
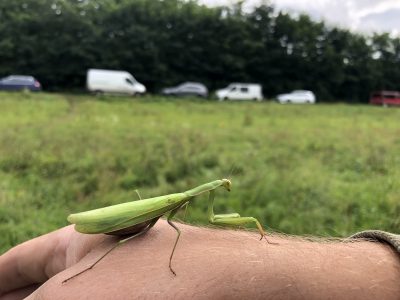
<point>187,89</point>
<point>19,82</point>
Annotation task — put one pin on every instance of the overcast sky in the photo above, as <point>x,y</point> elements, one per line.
<point>358,15</point>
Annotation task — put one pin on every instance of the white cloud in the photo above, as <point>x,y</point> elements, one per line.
<point>358,15</point>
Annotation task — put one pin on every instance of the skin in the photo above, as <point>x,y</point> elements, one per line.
<point>210,264</point>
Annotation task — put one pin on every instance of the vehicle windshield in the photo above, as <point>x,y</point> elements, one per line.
<point>299,92</point>
<point>390,95</point>
<point>19,78</point>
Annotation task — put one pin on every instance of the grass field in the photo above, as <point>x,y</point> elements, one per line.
<point>312,169</point>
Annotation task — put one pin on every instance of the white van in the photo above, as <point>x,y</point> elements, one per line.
<point>240,91</point>
<point>110,81</point>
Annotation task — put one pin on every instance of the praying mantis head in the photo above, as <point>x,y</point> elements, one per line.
<point>226,183</point>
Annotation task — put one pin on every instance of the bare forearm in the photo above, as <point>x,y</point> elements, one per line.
<point>336,270</point>
<point>216,264</point>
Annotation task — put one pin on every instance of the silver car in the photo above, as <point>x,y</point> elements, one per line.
<point>298,96</point>
<point>187,89</point>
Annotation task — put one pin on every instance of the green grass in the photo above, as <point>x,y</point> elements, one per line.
<point>312,169</point>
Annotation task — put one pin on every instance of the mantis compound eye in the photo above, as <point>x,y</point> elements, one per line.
<point>226,183</point>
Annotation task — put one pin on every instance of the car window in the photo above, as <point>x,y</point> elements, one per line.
<point>183,86</point>
<point>129,81</point>
<point>233,89</point>
<point>15,81</point>
<point>24,79</point>
<point>389,96</point>
<point>192,87</point>
<point>244,89</point>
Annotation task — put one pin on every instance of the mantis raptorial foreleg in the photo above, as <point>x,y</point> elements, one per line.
<point>233,219</point>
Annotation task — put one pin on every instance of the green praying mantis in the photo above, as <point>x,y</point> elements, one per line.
<point>137,217</point>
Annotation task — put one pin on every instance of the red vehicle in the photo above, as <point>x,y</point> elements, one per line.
<point>385,98</point>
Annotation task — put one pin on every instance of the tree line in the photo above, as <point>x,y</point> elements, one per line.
<point>165,42</point>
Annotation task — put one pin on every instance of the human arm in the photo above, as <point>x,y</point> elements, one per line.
<point>210,263</point>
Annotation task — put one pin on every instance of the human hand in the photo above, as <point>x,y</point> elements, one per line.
<point>27,266</point>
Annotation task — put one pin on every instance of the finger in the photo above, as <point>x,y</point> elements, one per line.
<point>34,261</point>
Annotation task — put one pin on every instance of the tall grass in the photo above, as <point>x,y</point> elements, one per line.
<point>312,169</point>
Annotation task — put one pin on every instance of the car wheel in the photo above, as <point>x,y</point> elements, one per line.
<point>98,92</point>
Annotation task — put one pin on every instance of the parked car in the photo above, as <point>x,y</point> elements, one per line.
<point>114,82</point>
<point>240,91</point>
<point>20,82</point>
<point>299,96</point>
<point>187,89</point>
<point>385,98</point>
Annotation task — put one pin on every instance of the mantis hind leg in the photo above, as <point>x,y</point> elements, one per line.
<point>171,215</point>
<point>233,219</point>
<point>112,248</point>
